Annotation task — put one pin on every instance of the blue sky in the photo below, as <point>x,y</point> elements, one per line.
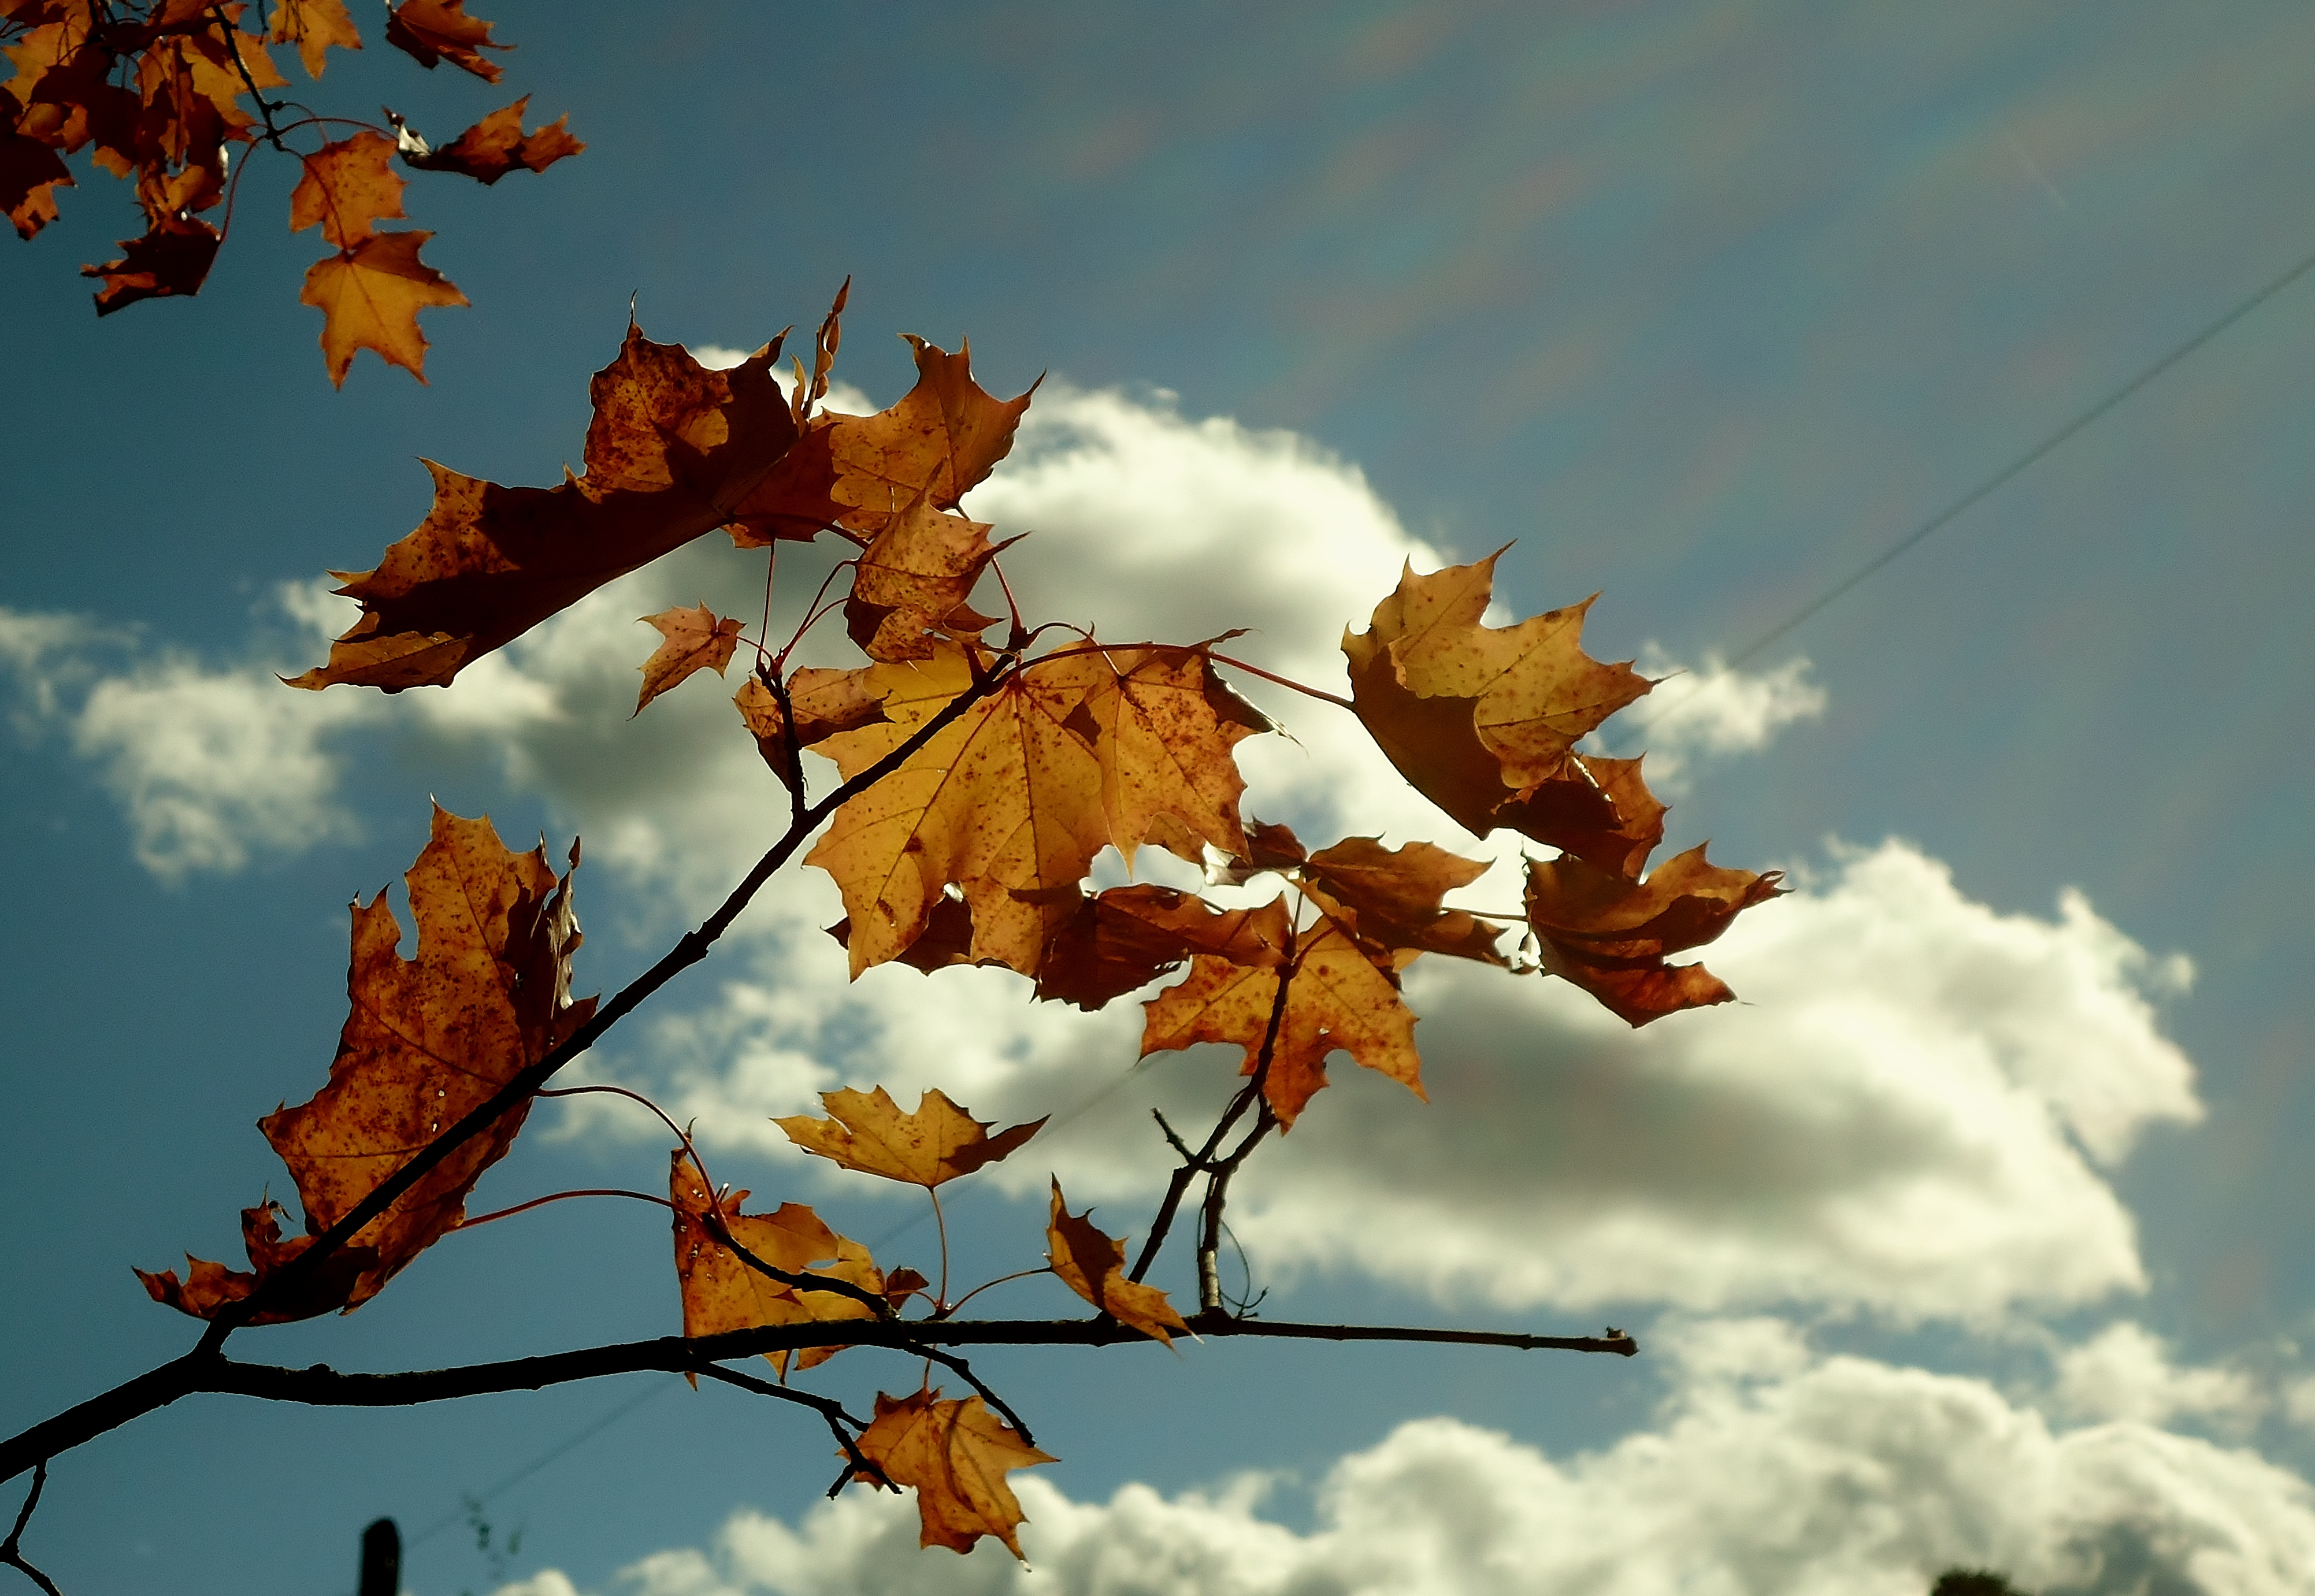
<point>1704,305</point>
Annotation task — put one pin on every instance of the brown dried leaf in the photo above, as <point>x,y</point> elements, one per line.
<point>434,30</point>
<point>371,295</point>
<point>690,640</point>
<point>497,144</point>
<point>672,446</point>
<point>917,571</point>
<point>1609,935</point>
<point>935,1144</point>
<point>1483,720</point>
<point>208,1286</point>
<point>429,1040</point>
<point>1128,936</point>
<point>1389,899</point>
<point>1093,1265</point>
<point>956,1454</point>
<point>174,258</point>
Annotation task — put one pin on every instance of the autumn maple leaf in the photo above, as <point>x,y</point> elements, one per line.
<point>827,702</point>
<point>1609,934</point>
<point>345,187</point>
<point>371,295</point>
<point>431,32</point>
<point>494,146</point>
<point>1484,721</point>
<point>429,1039</point>
<point>672,447</point>
<point>690,640</point>
<point>1337,997</point>
<point>1093,1265</point>
<point>956,1455</point>
<point>314,26</point>
<point>1126,937</point>
<point>928,1148</point>
<point>855,473</point>
<point>723,1291</point>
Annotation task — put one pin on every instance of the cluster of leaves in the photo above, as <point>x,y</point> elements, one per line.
<point>983,765</point>
<point>154,93</point>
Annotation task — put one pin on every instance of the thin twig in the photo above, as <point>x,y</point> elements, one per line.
<point>963,1371</point>
<point>504,1213</point>
<point>12,1550</point>
<point>265,107</point>
<point>827,1408</point>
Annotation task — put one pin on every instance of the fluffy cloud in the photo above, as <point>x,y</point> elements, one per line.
<point>1910,1113</point>
<point>2125,1372</point>
<point>1710,712</point>
<point>1770,1472</point>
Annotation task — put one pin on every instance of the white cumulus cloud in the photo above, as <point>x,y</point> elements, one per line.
<point>1770,1472</point>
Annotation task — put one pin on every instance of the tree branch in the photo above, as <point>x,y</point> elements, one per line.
<point>321,1386</point>
<point>689,951</point>
<point>10,1552</point>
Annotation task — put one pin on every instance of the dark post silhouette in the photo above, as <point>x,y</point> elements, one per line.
<point>381,1564</point>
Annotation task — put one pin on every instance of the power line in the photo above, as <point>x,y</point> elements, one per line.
<point>658,1389</point>
<point>1953,511</point>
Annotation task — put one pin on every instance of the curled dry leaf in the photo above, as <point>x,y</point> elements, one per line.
<point>431,32</point>
<point>826,703</point>
<point>174,258</point>
<point>1127,936</point>
<point>1484,721</point>
<point>496,146</point>
<point>1388,899</point>
<point>721,1292</point>
<point>917,573</point>
<point>208,1286</point>
<point>1609,934</point>
<point>429,1039</point>
<point>690,640</point>
<point>1338,997</point>
<point>956,1455</point>
<point>1093,1265</point>
<point>934,1145</point>
<point>371,295</point>
<point>671,448</point>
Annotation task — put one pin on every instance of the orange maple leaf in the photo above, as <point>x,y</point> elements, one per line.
<point>1484,721</point>
<point>721,1291</point>
<point>431,32</point>
<point>690,640</point>
<point>1609,935</point>
<point>956,1454</point>
<point>1093,1265</point>
<point>496,146</point>
<point>1004,801</point>
<point>314,26</point>
<point>671,448</point>
<point>934,1145</point>
<point>855,473</point>
<point>1338,998</point>
<point>371,295</point>
<point>345,187</point>
<point>914,575</point>
<point>427,1040</point>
